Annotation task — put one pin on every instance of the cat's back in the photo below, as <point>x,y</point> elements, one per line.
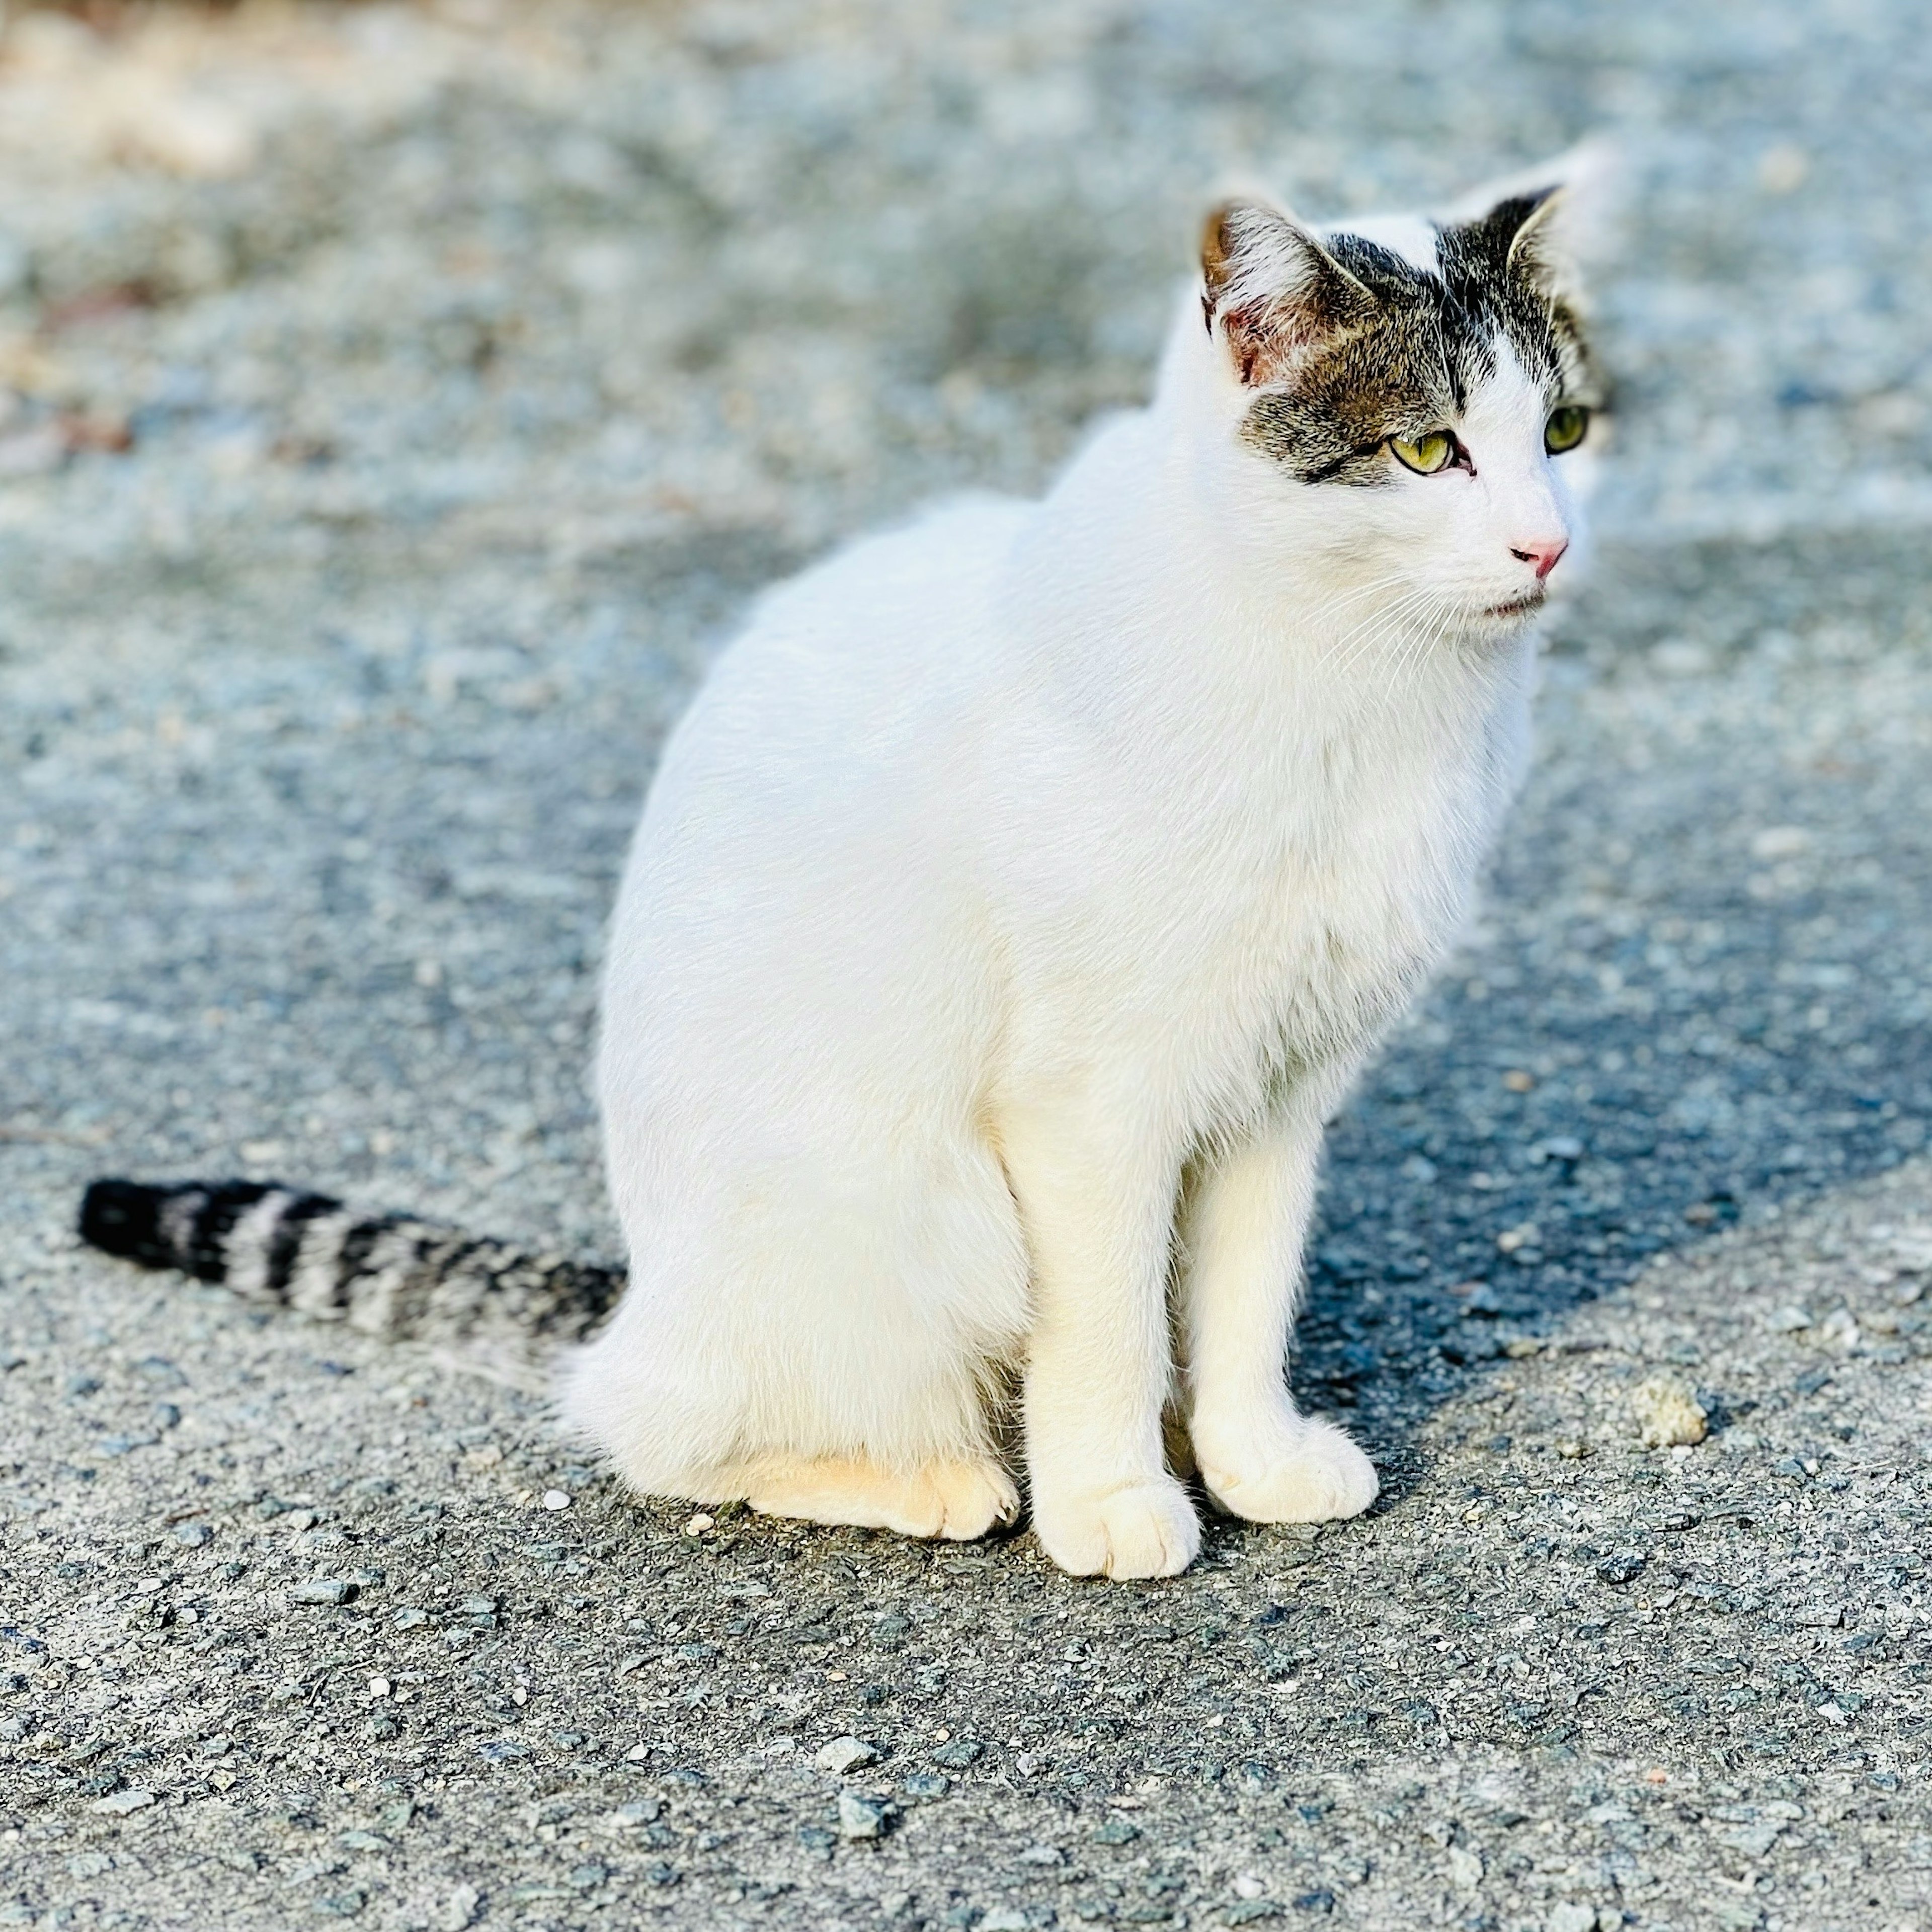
<point>827,750</point>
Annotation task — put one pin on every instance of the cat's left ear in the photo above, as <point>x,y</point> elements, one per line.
<point>1554,223</point>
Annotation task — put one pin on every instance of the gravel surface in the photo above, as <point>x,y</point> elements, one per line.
<point>395,406</point>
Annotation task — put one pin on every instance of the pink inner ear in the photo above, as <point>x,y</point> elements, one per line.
<point>1268,339</point>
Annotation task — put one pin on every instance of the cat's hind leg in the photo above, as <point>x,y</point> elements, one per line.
<point>957,1500</point>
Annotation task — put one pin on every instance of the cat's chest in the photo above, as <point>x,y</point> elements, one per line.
<point>1324,910</point>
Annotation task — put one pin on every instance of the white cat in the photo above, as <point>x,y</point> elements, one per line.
<point>1010,912</point>
<point>1024,887</point>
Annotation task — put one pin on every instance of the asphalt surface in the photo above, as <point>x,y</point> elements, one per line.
<point>394,407</point>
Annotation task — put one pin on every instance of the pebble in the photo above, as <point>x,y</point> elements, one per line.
<point>1668,1411</point>
<point>323,1590</point>
<point>639,1811</point>
<point>556,1499</point>
<point>860,1816</point>
<point>1574,1918</point>
<point>958,1754</point>
<point>118,1803</point>
<point>460,1908</point>
<point>195,1535</point>
<point>1118,1831</point>
<point>844,1754</point>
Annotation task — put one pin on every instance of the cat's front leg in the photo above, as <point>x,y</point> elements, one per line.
<point>1097,1209</point>
<point>1242,1236</point>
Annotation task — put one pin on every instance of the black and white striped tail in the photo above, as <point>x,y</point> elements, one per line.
<point>386,1274</point>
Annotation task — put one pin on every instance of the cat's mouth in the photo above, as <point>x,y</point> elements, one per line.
<point>1519,606</point>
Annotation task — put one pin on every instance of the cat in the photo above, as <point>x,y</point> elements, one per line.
<point>1013,907</point>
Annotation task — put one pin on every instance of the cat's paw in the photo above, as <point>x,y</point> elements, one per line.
<point>1149,1530</point>
<point>957,1501</point>
<point>1303,1472</point>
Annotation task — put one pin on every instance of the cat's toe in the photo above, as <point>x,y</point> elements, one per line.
<point>1150,1530</point>
<point>974,1498</point>
<point>1319,1476</point>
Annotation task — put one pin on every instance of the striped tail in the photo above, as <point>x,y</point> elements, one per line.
<point>389,1275</point>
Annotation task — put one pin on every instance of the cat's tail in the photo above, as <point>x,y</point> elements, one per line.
<point>389,1275</point>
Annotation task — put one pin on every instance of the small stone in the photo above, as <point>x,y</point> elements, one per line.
<point>1004,1919</point>
<point>1574,1918</point>
<point>586,1877</point>
<point>926,1784</point>
<point>638,1811</point>
<point>1466,1867</point>
<point>844,1754</point>
<point>660,1873</point>
<point>1625,1567</point>
<point>860,1816</point>
<point>1118,1831</point>
<point>118,1803</point>
<point>195,1535</point>
<point>700,1523</point>
<point>1572,1450</point>
<point>323,1590</point>
<point>408,1617</point>
<point>460,1908</point>
<point>959,1753</point>
<point>479,1605</point>
<point>1042,1855</point>
<point>82,1385</point>
<point>556,1499</point>
<point>1787,1321</point>
<point>340,1904</point>
<point>1668,1411</point>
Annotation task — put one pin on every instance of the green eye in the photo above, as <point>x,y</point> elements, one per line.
<point>1427,453</point>
<point>1568,424</point>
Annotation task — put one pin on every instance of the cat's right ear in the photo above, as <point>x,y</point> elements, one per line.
<point>1271,292</point>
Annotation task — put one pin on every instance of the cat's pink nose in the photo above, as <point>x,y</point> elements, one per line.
<point>1544,556</point>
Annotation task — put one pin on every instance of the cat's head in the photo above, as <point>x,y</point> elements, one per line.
<point>1414,397</point>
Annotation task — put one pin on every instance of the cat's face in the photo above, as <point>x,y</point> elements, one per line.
<point>1415,396</point>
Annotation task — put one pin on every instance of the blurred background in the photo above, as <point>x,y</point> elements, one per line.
<point>397,401</point>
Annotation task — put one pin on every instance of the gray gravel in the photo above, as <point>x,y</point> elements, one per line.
<point>395,405</point>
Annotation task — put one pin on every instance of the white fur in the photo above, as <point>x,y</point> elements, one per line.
<point>1008,914</point>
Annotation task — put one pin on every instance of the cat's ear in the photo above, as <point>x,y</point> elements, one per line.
<point>1554,223</point>
<point>1271,290</point>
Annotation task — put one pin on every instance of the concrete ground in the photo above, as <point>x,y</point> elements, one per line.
<point>395,405</point>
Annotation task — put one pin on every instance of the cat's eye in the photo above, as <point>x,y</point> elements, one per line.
<point>1568,424</point>
<point>1427,453</point>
